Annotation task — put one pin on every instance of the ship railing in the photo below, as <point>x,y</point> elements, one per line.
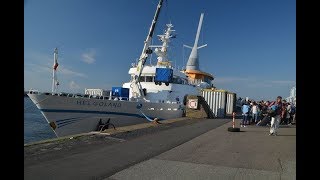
<point>120,98</point>
<point>162,109</point>
<point>78,95</point>
<point>168,102</point>
<point>175,102</point>
<point>195,81</point>
<point>62,94</point>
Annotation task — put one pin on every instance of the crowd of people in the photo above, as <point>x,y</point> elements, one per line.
<point>269,113</point>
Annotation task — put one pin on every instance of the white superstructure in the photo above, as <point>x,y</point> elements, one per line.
<point>160,92</point>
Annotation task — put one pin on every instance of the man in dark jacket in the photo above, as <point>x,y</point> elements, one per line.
<point>275,121</point>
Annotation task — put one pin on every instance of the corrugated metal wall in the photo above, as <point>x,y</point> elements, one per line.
<point>216,100</point>
<point>221,102</point>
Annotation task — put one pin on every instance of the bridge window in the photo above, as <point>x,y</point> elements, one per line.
<point>142,79</point>
<point>149,78</point>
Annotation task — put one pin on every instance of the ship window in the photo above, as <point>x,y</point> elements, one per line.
<point>149,78</point>
<point>142,79</point>
<point>177,80</point>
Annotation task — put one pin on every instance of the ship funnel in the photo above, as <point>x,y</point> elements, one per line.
<point>193,61</point>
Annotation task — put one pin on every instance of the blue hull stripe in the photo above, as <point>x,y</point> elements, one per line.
<point>68,119</point>
<point>66,124</point>
<point>61,123</point>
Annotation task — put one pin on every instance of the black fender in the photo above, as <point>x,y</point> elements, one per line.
<point>185,99</point>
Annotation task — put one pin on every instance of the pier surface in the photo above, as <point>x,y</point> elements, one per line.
<point>183,148</point>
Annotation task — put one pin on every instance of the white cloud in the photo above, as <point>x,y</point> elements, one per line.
<point>270,83</point>
<point>231,79</point>
<point>44,62</point>
<point>259,85</point>
<point>39,57</point>
<point>283,82</point>
<point>255,87</point>
<point>66,71</point>
<point>37,68</point>
<point>73,85</point>
<point>62,70</point>
<point>89,57</point>
<point>253,82</point>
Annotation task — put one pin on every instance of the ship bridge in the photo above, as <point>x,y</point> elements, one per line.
<point>197,76</point>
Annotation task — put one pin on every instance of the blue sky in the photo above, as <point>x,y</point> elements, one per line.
<point>251,43</point>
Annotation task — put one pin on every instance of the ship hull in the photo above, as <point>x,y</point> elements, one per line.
<point>74,115</point>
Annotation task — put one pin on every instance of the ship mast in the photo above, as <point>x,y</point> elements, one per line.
<point>135,85</point>
<point>161,50</point>
<point>55,82</point>
<point>193,61</point>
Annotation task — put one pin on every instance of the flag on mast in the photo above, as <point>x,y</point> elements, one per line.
<point>55,65</point>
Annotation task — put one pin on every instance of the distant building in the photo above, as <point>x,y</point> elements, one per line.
<point>292,97</point>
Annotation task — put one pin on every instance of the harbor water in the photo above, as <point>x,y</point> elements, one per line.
<point>36,127</point>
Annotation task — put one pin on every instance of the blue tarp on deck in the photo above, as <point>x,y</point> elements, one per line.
<point>120,92</point>
<point>163,75</point>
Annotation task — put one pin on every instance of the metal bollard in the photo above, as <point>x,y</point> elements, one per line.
<point>233,128</point>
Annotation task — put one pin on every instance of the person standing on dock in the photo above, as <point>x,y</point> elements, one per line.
<point>255,110</point>
<point>275,121</point>
<point>245,113</point>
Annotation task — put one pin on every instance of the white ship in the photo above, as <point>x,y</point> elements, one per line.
<point>154,91</point>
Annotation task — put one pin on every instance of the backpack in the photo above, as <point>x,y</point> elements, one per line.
<point>272,111</point>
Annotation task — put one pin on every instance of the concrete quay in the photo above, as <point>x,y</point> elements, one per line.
<point>176,149</point>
